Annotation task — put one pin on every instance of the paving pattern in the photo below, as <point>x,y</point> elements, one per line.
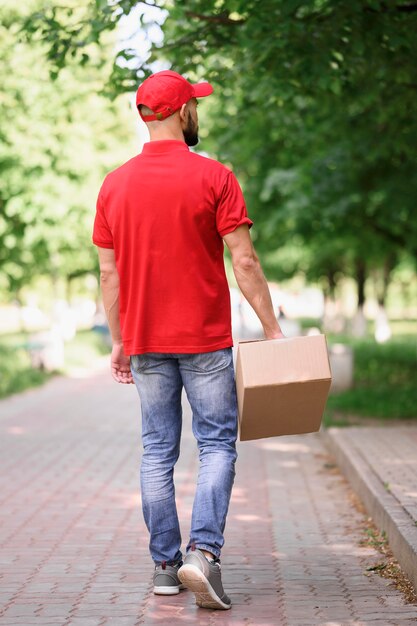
<point>380,464</point>
<point>74,547</point>
<point>391,453</point>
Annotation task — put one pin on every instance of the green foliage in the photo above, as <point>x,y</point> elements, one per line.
<point>315,114</point>
<point>16,372</point>
<point>58,139</point>
<point>385,380</point>
<point>84,349</point>
<point>73,32</point>
<point>378,401</point>
<point>313,107</point>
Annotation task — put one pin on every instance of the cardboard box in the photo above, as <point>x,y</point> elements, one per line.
<point>282,386</point>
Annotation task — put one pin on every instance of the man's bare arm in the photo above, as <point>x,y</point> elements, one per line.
<point>251,279</point>
<point>109,283</point>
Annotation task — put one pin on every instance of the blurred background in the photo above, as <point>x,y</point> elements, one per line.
<point>314,110</point>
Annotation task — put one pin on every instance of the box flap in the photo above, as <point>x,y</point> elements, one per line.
<point>283,361</point>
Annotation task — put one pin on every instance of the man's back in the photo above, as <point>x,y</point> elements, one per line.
<point>165,212</point>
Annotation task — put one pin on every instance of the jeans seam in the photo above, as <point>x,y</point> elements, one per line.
<point>205,546</point>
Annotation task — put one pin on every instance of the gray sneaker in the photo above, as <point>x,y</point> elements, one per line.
<point>165,579</point>
<point>205,580</point>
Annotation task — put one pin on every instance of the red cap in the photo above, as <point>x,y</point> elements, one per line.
<point>165,92</point>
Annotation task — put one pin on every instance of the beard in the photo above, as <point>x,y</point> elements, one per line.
<point>190,132</point>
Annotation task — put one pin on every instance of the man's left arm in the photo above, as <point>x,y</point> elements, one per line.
<point>109,283</point>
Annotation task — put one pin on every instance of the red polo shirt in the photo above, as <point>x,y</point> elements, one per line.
<point>165,212</point>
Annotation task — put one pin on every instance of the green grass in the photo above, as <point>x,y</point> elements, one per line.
<point>385,380</point>
<point>16,372</point>
<point>83,349</point>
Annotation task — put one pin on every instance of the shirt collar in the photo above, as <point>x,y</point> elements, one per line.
<point>164,145</point>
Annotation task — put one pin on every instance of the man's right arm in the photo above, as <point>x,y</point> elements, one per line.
<point>251,279</point>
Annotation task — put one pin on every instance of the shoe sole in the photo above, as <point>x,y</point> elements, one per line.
<point>205,596</point>
<point>167,591</point>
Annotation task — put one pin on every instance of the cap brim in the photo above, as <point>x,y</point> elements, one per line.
<point>202,89</point>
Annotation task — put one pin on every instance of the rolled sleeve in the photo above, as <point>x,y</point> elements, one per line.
<point>231,208</point>
<point>102,235</point>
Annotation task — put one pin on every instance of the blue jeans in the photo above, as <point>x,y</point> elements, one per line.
<point>208,379</point>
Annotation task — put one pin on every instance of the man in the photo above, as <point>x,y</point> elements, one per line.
<point>160,225</point>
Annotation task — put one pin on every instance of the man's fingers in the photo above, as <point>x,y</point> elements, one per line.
<point>122,376</point>
<point>115,374</point>
<point>126,377</point>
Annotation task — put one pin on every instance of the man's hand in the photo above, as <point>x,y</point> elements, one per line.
<point>120,365</point>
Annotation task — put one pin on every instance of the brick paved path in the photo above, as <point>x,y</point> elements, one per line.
<point>74,546</point>
<point>380,463</point>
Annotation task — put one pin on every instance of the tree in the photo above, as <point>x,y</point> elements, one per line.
<point>58,139</point>
<point>313,108</point>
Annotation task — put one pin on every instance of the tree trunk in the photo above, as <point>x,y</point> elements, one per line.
<point>359,321</point>
<point>382,326</point>
<point>332,321</point>
<point>331,281</point>
<point>389,264</point>
<point>360,282</point>
<point>22,324</point>
<point>68,289</point>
